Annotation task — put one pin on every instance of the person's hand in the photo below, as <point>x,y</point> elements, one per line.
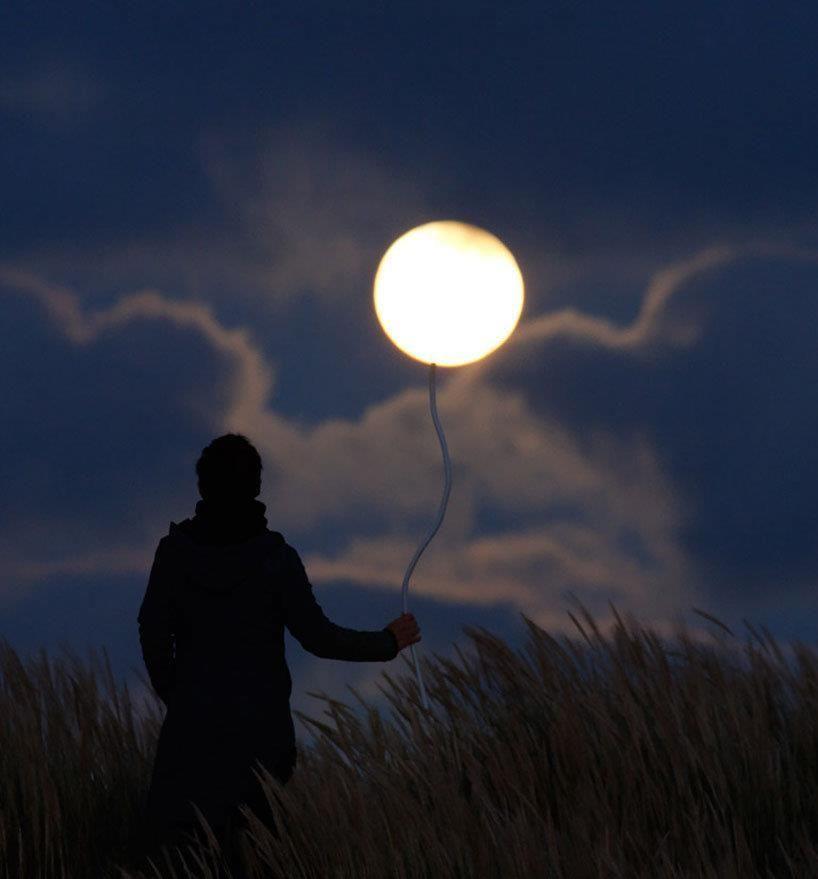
<point>405,629</point>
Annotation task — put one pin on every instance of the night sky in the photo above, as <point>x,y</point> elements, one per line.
<point>194,200</point>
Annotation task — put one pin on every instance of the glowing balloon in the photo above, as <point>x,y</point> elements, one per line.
<point>448,293</point>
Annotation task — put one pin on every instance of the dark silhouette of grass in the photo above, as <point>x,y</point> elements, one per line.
<point>604,755</point>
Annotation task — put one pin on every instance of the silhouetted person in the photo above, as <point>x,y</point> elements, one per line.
<point>221,590</point>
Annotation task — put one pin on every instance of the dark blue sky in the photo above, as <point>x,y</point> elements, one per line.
<point>194,202</point>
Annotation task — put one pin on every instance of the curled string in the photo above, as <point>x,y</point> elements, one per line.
<point>441,512</point>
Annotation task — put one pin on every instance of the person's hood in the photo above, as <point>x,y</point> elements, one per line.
<point>220,567</point>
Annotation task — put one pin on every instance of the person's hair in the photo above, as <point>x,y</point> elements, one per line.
<point>229,469</point>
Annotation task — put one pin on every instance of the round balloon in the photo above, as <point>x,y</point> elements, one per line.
<point>448,293</point>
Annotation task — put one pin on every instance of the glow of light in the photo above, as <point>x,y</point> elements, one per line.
<point>448,293</point>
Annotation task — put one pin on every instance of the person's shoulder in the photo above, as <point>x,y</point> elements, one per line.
<point>283,559</point>
<point>176,530</point>
<point>277,550</point>
<point>173,542</point>
<point>165,547</point>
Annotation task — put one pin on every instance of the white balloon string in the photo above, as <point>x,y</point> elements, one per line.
<point>447,469</point>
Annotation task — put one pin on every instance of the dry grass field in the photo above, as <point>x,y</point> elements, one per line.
<point>615,754</point>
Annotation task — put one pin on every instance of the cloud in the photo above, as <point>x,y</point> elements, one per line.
<point>323,211</point>
<point>727,410</point>
<point>646,329</point>
<point>533,568</point>
<point>252,377</point>
<point>538,510</point>
<point>51,510</point>
<point>18,572</point>
<point>299,215</point>
<point>604,526</point>
<point>55,92</point>
<point>650,327</point>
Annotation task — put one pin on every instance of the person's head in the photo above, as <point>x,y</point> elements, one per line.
<point>229,469</point>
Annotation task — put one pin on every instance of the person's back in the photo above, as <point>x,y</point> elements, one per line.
<point>221,591</point>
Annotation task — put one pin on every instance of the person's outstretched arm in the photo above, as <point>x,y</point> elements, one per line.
<point>157,627</point>
<point>307,622</point>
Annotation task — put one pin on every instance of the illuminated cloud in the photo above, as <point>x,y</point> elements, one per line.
<point>649,327</point>
<point>601,518</point>
<point>252,377</point>
<point>385,467</point>
<point>300,215</point>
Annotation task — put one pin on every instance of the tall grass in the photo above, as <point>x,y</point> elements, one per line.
<point>75,761</point>
<point>599,755</point>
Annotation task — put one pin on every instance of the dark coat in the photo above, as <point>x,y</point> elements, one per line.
<point>211,626</point>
